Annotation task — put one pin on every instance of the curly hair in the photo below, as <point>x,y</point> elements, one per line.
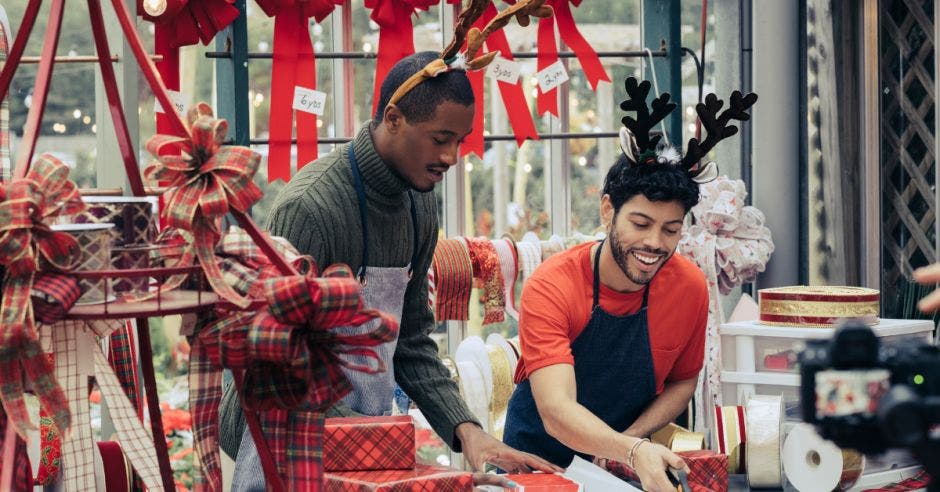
<point>421,102</point>
<point>658,182</point>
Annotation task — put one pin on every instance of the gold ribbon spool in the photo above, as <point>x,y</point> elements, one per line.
<point>502,386</point>
<point>731,436</point>
<point>678,438</point>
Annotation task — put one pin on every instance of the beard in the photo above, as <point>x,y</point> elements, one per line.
<point>622,253</point>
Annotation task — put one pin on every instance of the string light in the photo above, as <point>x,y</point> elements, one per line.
<point>154,8</point>
<point>527,168</point>
<point>582,161</point>
<point>469,167</point>
<point>77,114</point>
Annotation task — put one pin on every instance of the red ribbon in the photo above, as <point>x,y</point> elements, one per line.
<point>548,51</point>
<point>294,66</point>
<point>206,179</point>
<point>28,244</point>
<point>513,94</point>
<point>396,34</point>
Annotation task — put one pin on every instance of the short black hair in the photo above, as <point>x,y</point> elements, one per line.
<point>659,182</point>
<point>421,102</point>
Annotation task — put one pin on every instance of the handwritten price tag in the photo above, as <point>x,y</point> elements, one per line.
<point>309,100</point>
<point>552,76</point>
<point>504,70</point>
<point>180,102</point>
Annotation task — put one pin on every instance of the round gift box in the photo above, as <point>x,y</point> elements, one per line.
<point>94,243</point>
<point>133,217</point>
<point>820,306</point>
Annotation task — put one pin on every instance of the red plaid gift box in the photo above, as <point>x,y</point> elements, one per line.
<point>369,443</point>
<point>542,482</point>
<point>708,470</point>
<point>422,478</point>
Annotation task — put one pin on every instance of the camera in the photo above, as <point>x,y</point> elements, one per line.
<point>869,396</point>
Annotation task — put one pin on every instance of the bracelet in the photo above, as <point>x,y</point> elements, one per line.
<point>631,458</point>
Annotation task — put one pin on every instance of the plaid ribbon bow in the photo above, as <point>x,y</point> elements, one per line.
<point>26,244</point>
<point>289,357</point>
<point>205,179</point>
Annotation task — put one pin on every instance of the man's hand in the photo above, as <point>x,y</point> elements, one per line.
<point>929,275</point>
<point>650,463</point>
<point>480,448</point>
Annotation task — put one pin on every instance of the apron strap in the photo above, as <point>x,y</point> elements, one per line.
<point>597,281</point>
<point>363,219</point>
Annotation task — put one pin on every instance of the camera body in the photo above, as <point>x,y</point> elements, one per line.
<point>869,396</point>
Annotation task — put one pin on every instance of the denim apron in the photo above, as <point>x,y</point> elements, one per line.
<point>373,394</point>
<point>613,368</point>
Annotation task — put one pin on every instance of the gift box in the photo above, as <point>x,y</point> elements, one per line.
<point>421,478</point>
<point>369,443</point>
<point>542,482</point>
<point>708,470</point>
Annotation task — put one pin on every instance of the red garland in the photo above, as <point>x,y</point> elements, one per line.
<point>548,51</point>
<point>294,65</point>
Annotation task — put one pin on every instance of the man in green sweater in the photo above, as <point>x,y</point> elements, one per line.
<point>369,204</point>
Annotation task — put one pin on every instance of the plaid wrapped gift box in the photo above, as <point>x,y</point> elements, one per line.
<point>708,470</point>
<point>542,482</point>
<point>369,443</point>
<point>422,478</point>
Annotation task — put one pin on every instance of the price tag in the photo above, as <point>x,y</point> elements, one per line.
<point>180,102</point>
<point>504,70</point>
<point>309,100</point>
<point>552,76</point>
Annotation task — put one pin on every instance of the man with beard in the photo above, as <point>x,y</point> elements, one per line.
<point>612,333</point>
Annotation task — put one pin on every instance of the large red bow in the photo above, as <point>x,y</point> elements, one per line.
<point>548,51</point>
<point>396,34</point>
<point>513,94</point>
<point>288,357</point>
<point>294,66</point>
<point>27,244</point>
<point>205,179</point>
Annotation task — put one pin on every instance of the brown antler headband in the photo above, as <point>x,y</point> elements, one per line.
<point>452,59</point>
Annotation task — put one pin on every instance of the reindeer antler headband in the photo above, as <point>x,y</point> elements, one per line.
<point>641,148</point>
<point>452,59</point>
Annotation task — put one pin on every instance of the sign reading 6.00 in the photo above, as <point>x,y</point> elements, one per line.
<point>309,100</point>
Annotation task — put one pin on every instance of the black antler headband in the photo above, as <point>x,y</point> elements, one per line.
<point>640,147</point>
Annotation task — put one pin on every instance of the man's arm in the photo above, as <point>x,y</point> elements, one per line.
<point>555,392</point>
<point>665,408</point>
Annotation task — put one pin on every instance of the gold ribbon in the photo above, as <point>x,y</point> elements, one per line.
<point>502,387</point>
<point>678,438</point>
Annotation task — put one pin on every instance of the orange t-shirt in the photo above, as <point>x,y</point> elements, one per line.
<point>556,306</point>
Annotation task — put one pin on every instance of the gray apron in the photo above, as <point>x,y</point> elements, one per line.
<point>373,394</point>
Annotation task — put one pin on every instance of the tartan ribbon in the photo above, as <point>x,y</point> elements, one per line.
<point>5,171</point>
<point>206,179</point>
<point>290,361</point>
<point>26,245</point>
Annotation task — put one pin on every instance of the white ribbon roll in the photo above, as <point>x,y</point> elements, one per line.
<point>473,391</point>
<point>764,417</point>
<point>509,266</point>
<point>811,463</point>
<point>530,257</point>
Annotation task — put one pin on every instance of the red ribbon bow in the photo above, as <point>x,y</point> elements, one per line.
<point>520,117</point>
<point>548,51</point>
<point>27,245</point>
<point>396,34</point>
<point>289,358</point>
<point>294,66</point>
<point>205,179</point>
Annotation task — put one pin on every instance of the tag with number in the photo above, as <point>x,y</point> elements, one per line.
<point>504,70</point>
<point>552,76</point>
<point>179,100</point>
<point>309,100</point>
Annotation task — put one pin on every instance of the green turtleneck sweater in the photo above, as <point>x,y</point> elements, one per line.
<point>318,213</point>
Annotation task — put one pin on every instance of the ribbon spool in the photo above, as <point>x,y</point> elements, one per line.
<point>678,438</point>
<point>509,266</point>
<point>514,343</point>
<point>731,433</point>
<point>473,391</point>
<point>451,368</point>
<point>812,463</point>
<point>530,257</point>
<point>764,422</point>
<point>820,307</point>
<point>501,389</point>
<point>497,340</point>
